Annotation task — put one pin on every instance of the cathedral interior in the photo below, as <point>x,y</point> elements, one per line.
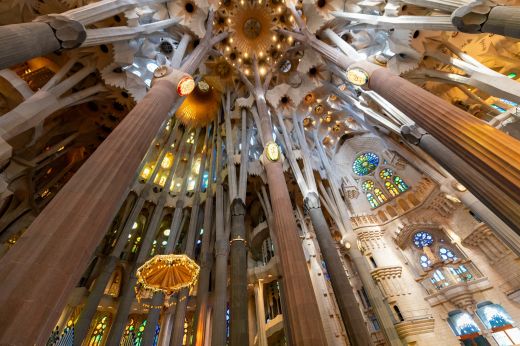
<point>259,172</point>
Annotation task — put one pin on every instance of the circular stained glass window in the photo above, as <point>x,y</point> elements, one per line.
<point>367,185</point>
<point>422,239</point>
<point>365,163</point>
<point>386,174</point>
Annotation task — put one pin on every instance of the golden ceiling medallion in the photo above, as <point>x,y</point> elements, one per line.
<point>161,71</point>
<point>272,151</point>
<point>357,76</point>
<point>252,28</point>
<point>309,99</point>
<point>319,109</point>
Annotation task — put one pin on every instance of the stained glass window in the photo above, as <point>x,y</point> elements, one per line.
<point>493,315</point>
<point>462,323</point>
<point>400,184</point>
<point>367,185</point>
<point>422,239</point>
<point>100,326</point>
<point>372,200</point>
<point>425,261</point>
<point>365,163</point>
<point>380,195</point>
<point>446,254</point>
<point>386,174</point>
<point>391,188</point>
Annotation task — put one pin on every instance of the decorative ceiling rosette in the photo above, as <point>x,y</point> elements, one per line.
<point>252,28</point>
<point>221,74</point>
<point>405,58</point>
<point>313,68</point>
<point>280,97</point>
<point>201,106</point>
<point>254,32</point>
<point>191,15</point>
<point>114,75</point>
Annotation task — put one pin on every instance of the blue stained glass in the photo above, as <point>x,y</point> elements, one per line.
<point>425,261</point>
<point>498,108</point>
<point>422,239</point>
<point>511,103</point>
<point>365,163</point>
<point>493,315</point>
<point>447,254</point>
<point>462,323</point>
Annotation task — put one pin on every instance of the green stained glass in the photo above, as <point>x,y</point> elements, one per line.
<point>401,185</point>
<point>386,174</point>
<point>365,163</point>
<point>367,185</point>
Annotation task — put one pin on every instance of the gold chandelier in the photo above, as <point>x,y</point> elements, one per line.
<point>167,274</point>
<point>201,106</point>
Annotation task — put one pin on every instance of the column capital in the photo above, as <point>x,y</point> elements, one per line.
<point>238,207</point>
<point>311,201</point>
<point>412,133</point>
<point>69,32</point>
<point>471,17</point>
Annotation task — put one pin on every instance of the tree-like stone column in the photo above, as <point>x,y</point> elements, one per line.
<point>491,153</point>
<point>238,271</point>
<point>21,42</point>
<point>61,240</point>
<point>304,324</point>
<point>488,151</point>
<point>484,16</point>
<point>347,303</point>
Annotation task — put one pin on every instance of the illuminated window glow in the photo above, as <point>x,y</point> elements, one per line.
<point>185,86</point>
<point>422,239</point>
<point>365,163</point>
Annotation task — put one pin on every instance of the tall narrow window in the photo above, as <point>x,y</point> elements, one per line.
<point>100,327</point>
<point>371,199</point>
<point>401,185</point>
<point>391,188</point>
<point>398,313</point>
<point>380,195</point>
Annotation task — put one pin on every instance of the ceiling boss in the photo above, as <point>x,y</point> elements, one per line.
<point>254,31</point>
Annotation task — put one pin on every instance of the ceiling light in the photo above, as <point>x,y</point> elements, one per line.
<point>185,86</point>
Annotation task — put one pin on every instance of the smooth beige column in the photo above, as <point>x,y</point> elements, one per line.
<point>260,313</point>
<point>38,273</point>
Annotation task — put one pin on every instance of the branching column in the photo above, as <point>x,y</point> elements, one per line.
<point>73,223</point>
<point>489,152</point>
<point>238,291</point>
<point>303,318</point>
<point>21,42</point>
<point>347,303</point>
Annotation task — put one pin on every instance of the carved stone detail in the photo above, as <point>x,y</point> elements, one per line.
<point>69,32</point>
<point>484,238</point>
<point>311,201</point>
<point>238,208</point>
<point>412,133</point>
<point>471,17</point>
